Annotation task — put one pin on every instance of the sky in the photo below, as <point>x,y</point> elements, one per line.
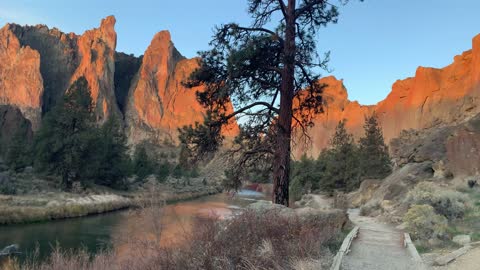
<point>375,42</point>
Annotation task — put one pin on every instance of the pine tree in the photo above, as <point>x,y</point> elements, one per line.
<point>62,142</point>
<point>263,70</point>
<point>108,159</point>
<point>17,156</point>
<point>375,160</point>
<point>341,161</point>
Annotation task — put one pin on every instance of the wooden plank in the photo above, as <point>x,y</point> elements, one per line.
<point>344,249</point>
<point>444,260</point>
<point>413,252</point>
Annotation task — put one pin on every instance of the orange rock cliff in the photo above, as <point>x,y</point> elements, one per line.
<point>38,64</point>
<point>434,97</point>
<point>158,103</point>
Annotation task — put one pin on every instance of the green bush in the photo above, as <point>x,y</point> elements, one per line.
<point>449,203</point>
<point>163,171</point>
<point>423,223</point>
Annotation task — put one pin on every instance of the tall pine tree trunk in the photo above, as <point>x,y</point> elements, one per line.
<point>281,167</point>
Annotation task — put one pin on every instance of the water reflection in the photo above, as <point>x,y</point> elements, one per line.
<point>100,232</point>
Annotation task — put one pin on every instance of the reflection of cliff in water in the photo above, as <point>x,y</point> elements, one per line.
<point>96,233</point>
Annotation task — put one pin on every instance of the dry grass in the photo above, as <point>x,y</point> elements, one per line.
<point>247,241</point>
<point>32,208</point>
<point>29,214</point>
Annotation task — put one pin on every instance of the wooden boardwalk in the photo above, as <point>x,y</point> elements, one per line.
<point>377,247</point>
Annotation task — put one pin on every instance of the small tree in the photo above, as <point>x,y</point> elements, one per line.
<point>62,142</point>
<point>374,157</point>
<point>142,165</point>
<point>163,171</point>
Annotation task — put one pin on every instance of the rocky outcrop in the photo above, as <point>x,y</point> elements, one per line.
<point>434,97</point>
<point>21,83</point>
<point>452,149</point>
<point>463,149</point>
<point>39,64</point>
<point>96,49</point>
<point>158,103</point>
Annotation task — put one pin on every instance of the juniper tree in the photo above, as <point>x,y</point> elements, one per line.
<point>262,70</point>
<point>375,160</point>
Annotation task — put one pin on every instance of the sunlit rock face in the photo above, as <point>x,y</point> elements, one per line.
<point>158,103</point>
<point>21,84</point>
<point>434,97</point>
<point>38,64</point>
<point>45,62</point>
<point>96,49</point>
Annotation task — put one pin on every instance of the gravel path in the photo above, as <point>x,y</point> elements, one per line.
<point>378,246</point>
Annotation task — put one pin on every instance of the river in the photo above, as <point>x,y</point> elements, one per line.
<point>105,232</point>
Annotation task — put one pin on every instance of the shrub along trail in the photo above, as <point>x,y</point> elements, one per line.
<point>377,246</point>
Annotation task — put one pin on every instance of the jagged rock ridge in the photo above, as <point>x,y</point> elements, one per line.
<point>65,57</point>
<point>38,64</point>
<point>158,103</point>
<point>434,97</point>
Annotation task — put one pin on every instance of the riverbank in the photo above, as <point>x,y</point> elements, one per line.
<point>16,209</point>
<point>266,236</point>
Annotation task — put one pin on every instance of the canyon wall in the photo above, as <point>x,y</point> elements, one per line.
<point>434,97</point>
<point>38,64</point>
<point>65,57</point>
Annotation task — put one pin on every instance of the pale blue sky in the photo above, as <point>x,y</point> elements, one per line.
<point>375,42</point>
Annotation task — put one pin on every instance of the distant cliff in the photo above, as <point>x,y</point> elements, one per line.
<point>38,64</point>
<point>434,97</point>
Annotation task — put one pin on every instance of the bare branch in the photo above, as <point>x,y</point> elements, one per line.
<point>257,29</point>
<point>258,103</point>
<point>283,8</point>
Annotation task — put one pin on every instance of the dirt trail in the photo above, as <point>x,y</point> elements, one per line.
<point>378,246</point>
<point>469,261</point>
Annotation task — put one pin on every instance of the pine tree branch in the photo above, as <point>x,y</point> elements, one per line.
<point>283,8</point>
<point>256,29</point>
<point>258,103</point>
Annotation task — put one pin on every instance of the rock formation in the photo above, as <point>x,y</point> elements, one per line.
<point>21,83</point>
<point>158,103</point>
<point>39,64</point>
<point>434,97</point>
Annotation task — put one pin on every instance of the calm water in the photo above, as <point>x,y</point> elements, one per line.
<point>95,233</point>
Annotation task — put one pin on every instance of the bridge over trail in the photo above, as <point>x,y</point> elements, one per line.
<point>377,247</point>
